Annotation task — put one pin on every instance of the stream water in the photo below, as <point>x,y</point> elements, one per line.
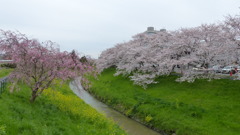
<point>130,126</point>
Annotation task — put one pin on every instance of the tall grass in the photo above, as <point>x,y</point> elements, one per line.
<point>202,107</point>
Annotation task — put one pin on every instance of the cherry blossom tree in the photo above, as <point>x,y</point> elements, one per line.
<point>38,64</point>
<point>149,55</point>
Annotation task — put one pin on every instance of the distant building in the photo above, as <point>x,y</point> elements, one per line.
<point>151,30</point>
<point>163,30</point>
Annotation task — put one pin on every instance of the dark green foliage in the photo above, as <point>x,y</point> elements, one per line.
<point>83,59</point>
<point>202,107</point>
<point>9,65</point>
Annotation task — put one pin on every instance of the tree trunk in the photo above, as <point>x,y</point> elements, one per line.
<point>173,67</point>
<point>181,68</point>
<point>34,95</point>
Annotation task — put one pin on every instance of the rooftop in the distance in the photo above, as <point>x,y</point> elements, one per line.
<point>151,30</point>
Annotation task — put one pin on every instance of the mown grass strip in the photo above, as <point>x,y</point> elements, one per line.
<point>5,71</point>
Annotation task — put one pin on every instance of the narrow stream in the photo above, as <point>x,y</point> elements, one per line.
<point>130,126</point>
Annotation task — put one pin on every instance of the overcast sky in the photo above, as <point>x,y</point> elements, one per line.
<point>91,26</point>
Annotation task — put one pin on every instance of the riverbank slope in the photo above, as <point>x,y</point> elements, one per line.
<point>202,107</point>
<point>57,111</point>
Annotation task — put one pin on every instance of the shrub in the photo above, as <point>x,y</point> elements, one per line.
<point>8,65</point>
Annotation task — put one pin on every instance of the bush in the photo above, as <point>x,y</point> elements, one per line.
<point>9,65</point>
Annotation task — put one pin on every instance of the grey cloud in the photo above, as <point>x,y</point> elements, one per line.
<point>94,25</point>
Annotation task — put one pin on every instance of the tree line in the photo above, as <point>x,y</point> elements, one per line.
<point>149,55</point>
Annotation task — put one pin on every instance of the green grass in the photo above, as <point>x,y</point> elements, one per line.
<point>5,71</point>
<point>57,112</point>
<point>202,107</point>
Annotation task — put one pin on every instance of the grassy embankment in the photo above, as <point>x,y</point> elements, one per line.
<point>4,72</point>
<point>57,111</point>
<point>201,107</point>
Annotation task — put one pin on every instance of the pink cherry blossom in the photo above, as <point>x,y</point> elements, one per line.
<point>148,56</point>
<point>39,64</point>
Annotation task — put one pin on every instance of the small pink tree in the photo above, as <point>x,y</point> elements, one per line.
<point>38,64</point>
